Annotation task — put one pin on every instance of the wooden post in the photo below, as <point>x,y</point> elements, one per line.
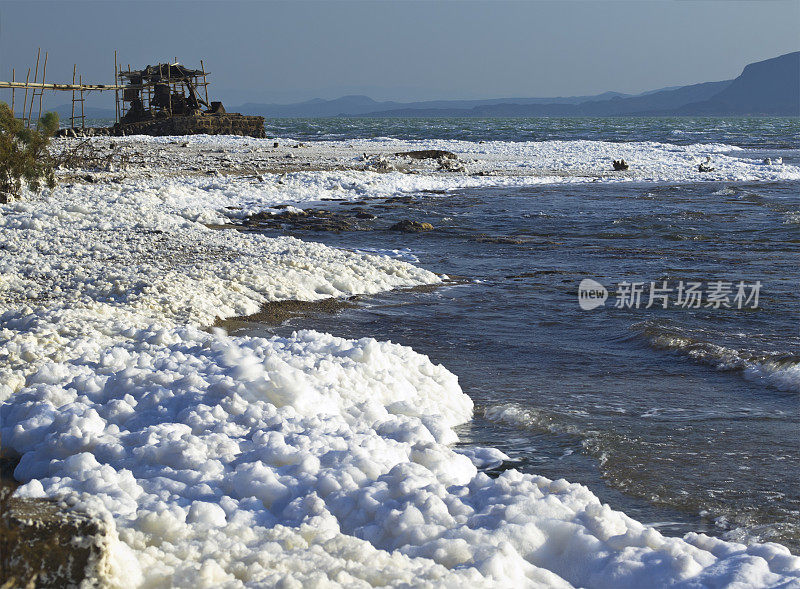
<point>25,102</point>
<point>72,118</point>
<point>116,91</point>
<point>205,83</point>
<point>83,119</point>
<point>161,78</point>
<point>169,87</point>
<point>13,92</point>
<point>35,77</point>
<point>41,92</point>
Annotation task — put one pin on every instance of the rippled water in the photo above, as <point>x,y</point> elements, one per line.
<point>686,418</point>
<point>756,132</point>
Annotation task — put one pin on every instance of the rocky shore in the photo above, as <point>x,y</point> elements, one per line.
<point>137,156</point>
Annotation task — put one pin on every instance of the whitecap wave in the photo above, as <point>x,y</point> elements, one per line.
<point>528,417</point>
<point>779,370</point>
<point>792,218</point>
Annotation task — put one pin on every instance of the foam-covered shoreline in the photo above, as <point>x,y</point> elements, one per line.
<point>227,461</point>
<point>505,163</point>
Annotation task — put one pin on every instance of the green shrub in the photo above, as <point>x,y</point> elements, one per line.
<point>24,158</point>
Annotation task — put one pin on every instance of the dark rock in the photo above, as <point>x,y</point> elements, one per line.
<point>620,165</point>
<point>425,154</point>
<point>194,124</point>
<point>283,215</point>
<point>59,546</point>
<point>400,199</point>
<point>309,220</point>
<point>706,165</point>
<point>407,226</point>
<point>365,215</point>
<point>276,312</point>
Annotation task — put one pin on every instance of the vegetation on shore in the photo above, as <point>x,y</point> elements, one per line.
<point>24,159</point>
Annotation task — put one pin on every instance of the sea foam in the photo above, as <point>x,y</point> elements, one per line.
<point>309,460</point>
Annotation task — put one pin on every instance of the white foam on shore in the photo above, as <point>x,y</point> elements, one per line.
<point>504,163</point>
<point>129,254</point>
<point>302,461</point>
<point>313,459</point>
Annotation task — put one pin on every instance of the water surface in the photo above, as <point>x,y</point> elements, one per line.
<point>684,418</point>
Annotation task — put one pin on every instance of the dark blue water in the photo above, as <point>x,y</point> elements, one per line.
<point>685,418</point>
<point>756,132</point>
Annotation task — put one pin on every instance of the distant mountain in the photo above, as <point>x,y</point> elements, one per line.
<point>770,87</point>
<point>91,112</point>
<point>357,105</point>
<point>619,105</point>
<point>663,100</point>
<point>353,105</point>
<point>605,106</point>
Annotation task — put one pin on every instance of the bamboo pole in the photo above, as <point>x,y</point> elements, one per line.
<point>116,92</point>
<point>83,118</point>
<point>35,77</point>
<point>41,92</point>
<point>25,102</point>
<point>54,86</point>
<point>169,87</point>
<point>72,117</point>
<point>205,83</point>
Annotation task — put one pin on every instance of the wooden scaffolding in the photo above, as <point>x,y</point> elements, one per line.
<point>165,89</point>
<point>36,89</point>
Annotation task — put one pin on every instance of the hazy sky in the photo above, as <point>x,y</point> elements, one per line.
<point>404,50</point>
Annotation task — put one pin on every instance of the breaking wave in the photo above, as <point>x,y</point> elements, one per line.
<point>779,370</point>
